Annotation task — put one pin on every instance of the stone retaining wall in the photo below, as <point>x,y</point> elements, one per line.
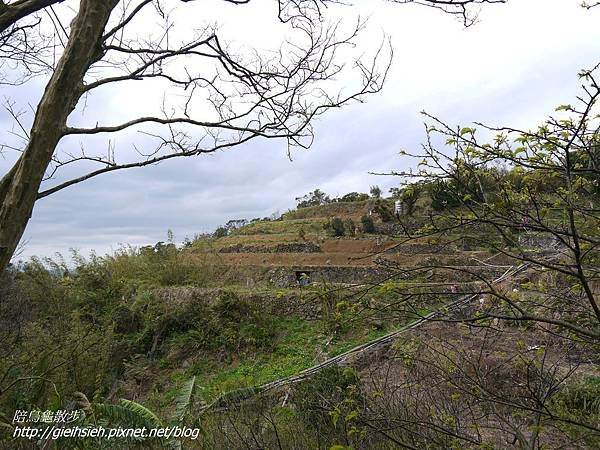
<point>293,247</point>
<point>287,276</point>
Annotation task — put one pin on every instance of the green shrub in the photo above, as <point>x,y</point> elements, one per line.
<point>229,323</point>
<point>350,227</point>
<point>384,212</point>
<point>337,226</point>
<point>220,232</point>
<point>443,195</point>
<point>367,224</point>
<point>318,398</point>
<point>334,227</point>
<point>354,197</point>
<point>580,398</point>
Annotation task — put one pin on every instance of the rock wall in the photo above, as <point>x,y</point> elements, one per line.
<point>542,242</point>
<point>293,247</point>
<point>287,276</point>
<point>422,248</point>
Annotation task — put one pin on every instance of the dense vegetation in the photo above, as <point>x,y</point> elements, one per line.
<point>146,324</point>
<point>140,323</point>
<point>501,239</point>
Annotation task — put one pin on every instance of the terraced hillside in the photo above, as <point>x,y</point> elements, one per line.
<point>285,326</point>
<point>298,242</point>
<point>280,324</point>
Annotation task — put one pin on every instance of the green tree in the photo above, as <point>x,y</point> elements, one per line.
<point>367,224</point>
<point>221,232</point>
<point>350,227</point>
<point>314,198</point>
<point>335,227</point>
<point>443,195</point>
<point>522,192</point>
<point>528,198</point>
<point>375,191</point>
<point>410,195</point>
<point>383,210</point>
<point>354,197</point>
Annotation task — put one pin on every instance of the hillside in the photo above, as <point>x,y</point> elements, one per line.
<point>268,300</point>
<point>298,242</point>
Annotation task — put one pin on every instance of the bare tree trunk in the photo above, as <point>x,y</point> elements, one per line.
<point>19,187</point>
<point>10,14</point>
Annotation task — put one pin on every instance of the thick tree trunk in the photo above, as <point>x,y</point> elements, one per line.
<point>10,14</point>
<point>19,187</point>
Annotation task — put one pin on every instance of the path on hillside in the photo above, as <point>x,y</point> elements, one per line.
<point>234,397</point>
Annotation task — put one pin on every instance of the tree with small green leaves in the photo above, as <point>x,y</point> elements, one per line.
<point>410,195</point>
<point>529,198</point>
<point>521,187</point>
<point>314,198</point>
<point>375,191</point>
<point>337,227</point>
<point>350,227</point>
<point>367,224</point>
<point>383,210</point>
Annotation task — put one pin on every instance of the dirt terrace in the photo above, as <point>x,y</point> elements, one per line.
<point>353,253</point>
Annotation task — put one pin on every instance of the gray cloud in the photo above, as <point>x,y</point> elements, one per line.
<point>509,69</point>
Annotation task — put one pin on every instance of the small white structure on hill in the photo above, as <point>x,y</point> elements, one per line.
<point>398,208</point>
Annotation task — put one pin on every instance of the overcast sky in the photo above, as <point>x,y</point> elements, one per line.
<point>512,68</point>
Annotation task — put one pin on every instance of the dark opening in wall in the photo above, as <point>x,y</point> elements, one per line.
<point>303,277</point>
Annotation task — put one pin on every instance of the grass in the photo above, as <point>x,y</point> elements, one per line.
<point>282,227</point>
<point>329,210</point>
<point>261,239</point>
<point>298,347</point>
<point>341,346</point>
<point>368,335</point>
<point>294,351</point>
